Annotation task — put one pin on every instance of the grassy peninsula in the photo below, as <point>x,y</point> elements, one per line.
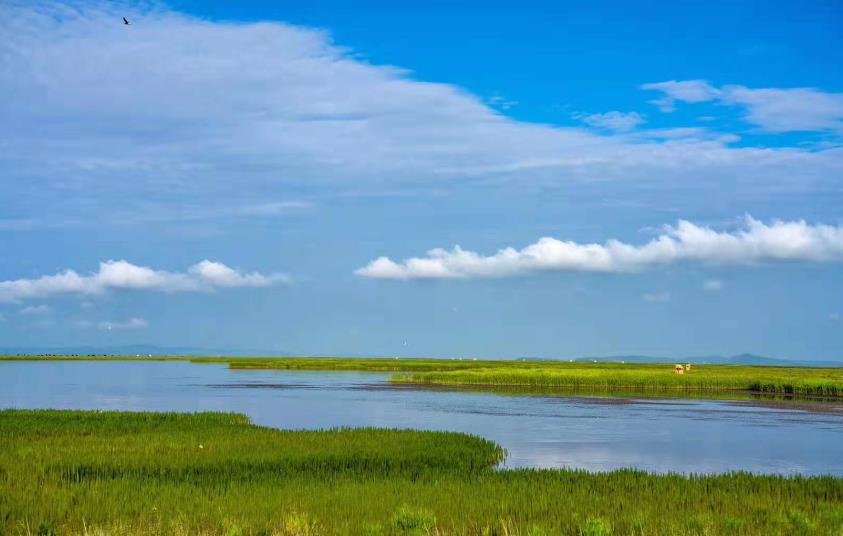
<point>110,473</point>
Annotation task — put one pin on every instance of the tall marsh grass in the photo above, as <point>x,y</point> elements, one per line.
<point>109,473</point>
<point>645,378</point>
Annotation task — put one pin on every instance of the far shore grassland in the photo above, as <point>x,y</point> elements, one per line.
<point>113,473</point>
<point>551,376</point>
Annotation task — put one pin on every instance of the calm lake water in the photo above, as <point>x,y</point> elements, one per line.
<point>594,433</point>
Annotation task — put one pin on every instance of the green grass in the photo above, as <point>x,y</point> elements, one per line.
<point>646,378</point>
<point>71,472</point>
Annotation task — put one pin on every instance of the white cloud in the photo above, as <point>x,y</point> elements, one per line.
<point>686,91</point>
<point>656,297</point>
<point>713,285</point>
<point>132,323</point>
<point>35,310</point>
<point>241,111</point>
<point>218,274</point>
<point>614,120</point>
<point>684,242</point>
<point>205,275</point>
<point>772,109</point>
<point>788,110</point>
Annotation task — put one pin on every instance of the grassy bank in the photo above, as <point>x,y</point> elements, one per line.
<point>65,472</point>
<point>646,378</point>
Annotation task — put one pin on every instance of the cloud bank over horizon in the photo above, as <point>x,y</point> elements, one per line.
<point>276,105</point>
<point>756,242</point>
<point>123,275</point>
<point>249,134</point>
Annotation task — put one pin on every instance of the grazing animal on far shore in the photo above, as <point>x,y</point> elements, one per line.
<point>679,369</point>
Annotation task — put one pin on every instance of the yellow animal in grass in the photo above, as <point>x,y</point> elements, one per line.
<point>679,369</point>
<point>687,367</point>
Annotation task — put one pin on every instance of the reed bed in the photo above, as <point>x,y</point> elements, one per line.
<point>645,379</point>
<point>99,473</point>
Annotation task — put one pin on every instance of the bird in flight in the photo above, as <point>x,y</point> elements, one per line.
<point>126,22</point>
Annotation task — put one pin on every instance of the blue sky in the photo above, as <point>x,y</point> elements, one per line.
<point>424,179</point>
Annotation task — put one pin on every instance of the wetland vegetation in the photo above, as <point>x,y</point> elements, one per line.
<point>566,376</point>
<point>90,472</point>
<point>617,377</point>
